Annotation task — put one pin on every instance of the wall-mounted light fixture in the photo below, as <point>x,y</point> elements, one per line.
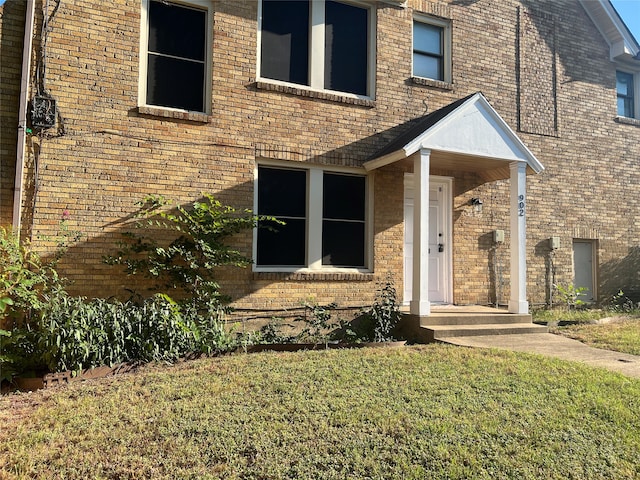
<point>476,203</point>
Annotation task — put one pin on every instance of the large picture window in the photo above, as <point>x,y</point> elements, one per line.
<point>324,215</point>
<point>176,56</point>
<point>333,55</point>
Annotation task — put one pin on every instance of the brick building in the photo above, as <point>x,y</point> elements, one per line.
<point>479,151</point>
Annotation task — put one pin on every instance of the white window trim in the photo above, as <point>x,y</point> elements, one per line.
<point>636,92</point>
<point>314,218</point>
<point>446,33</point>
<point>144,42</point>
<point>316,51</point>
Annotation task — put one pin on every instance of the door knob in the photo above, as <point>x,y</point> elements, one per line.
<point>441,247</point>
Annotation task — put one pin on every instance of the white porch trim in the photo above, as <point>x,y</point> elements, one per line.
<point>468,128</point>
<point>420,304</point>
<point>518,192</point>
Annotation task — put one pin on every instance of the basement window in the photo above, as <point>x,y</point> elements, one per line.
<point>176,55</point>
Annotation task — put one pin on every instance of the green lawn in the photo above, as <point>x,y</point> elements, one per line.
<point>422,412</point>
<point>621,336</point>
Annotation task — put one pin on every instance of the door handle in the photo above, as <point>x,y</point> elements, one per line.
<point>441,247</point>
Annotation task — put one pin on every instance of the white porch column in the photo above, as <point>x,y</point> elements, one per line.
<point>518,300</point>
<point>419,304</point>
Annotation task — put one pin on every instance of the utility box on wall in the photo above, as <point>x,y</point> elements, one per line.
<point>554,243</point>
<point>43,112</point>
<point>498,236</point>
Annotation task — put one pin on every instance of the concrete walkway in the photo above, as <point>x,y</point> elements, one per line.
<point>555,346</point>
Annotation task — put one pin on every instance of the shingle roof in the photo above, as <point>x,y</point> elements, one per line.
<point>417,126</point>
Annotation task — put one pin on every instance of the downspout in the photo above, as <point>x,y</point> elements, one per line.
<point>22,114</point>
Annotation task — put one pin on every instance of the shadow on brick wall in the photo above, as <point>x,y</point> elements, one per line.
<point>622,274</point>
<point>565,42</point>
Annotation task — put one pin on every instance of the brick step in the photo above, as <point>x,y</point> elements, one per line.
<point>442,332</point>
<point>473,319</point>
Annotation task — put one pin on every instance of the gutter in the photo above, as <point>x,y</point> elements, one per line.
<point>22,115</point>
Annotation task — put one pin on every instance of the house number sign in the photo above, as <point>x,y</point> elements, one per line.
<point>521,205</point>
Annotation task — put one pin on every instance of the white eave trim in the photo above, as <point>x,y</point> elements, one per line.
<point>486,135</point>
<point>622,44</point>
<point>386,160</point>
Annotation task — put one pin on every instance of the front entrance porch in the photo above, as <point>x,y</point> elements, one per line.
<point>465,136</point>
<point>451,321</point>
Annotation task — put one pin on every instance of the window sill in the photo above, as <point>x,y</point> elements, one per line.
<point>628,121</point>
<point>305,92</point>
<point>314,276</point>
<point>174,114</point>
<point>427,82</point>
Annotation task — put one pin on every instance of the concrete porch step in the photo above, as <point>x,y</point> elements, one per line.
<point>441,318</point>
<point>464,321</point>
<point>442,332</point>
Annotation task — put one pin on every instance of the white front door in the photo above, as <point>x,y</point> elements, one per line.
<point>439,239</point>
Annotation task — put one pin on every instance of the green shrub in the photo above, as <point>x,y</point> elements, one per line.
<point>25,284</point>
<point>271,333</point>
<point>75,333</point>
<point>188,261</point>
<point>24,279</point>
<point>620,303</point>
<point>317,323</point>
<point>72,333</point>
<point>384,314</point>
<point>570,295</point>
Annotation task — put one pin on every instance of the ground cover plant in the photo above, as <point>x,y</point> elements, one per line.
<point>421,412</point>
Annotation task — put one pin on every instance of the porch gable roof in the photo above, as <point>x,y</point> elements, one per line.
<point>467,127</point>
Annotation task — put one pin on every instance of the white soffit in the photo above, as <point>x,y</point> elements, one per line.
<point>474,128</point>
<point>622,44</point>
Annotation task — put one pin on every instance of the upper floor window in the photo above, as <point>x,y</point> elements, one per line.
<point>176,55</point>
<point>322,44</point>
<point>626,96</point>
<point>432,49</point>
<point>324,215</point>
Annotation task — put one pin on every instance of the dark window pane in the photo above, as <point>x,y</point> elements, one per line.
<point>343,243</point>
<point>427,67</point>
<point>178,31</point>
<point>285,41</point>
<point>346,35</point>
<point>283,247</point>
<point>282,192</point>
<point>427,38</point>
<point>172,82</point>
<point>343,197</point>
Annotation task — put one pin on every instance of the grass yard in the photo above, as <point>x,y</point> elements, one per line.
<point>419,412</point>
<point>619,335</point>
